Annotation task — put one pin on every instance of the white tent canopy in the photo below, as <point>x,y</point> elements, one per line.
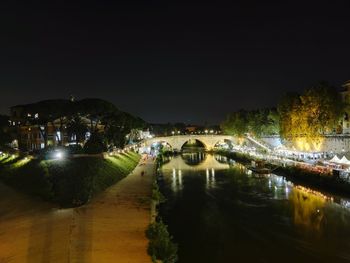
<point>335,159</point>
<point>344,160</point>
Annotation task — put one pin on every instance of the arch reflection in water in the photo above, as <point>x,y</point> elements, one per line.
<point>193,158</point>
<point>221,158</point>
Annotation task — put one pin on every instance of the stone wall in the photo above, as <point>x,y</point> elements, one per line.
<point>335,144</point>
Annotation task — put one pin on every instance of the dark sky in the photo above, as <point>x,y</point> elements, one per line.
<point>167,61</point>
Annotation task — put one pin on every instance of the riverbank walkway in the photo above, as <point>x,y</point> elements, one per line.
<point>111,228</point>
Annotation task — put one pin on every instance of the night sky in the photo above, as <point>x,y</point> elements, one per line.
<point>171,62</point>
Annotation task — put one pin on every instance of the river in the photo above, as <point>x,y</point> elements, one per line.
<point>218,211</point>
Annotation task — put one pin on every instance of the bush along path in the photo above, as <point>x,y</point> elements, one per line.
<point>161,247</point>
<point>68,182</point>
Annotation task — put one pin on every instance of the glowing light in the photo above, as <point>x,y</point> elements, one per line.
<point>58,155</point>
<point>313,192</point>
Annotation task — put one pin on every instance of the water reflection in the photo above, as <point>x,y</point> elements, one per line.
<point>193,158</point>
<point>234,215</point>
<point>210,178</point>
<point>176,180</point>
<point>308,210</point>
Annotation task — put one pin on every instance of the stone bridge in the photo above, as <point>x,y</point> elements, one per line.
<point>177,141</point>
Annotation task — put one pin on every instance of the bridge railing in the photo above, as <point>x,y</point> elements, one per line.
<point>261,144</point>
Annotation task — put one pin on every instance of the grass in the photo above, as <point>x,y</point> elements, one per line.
<point>68,182</point>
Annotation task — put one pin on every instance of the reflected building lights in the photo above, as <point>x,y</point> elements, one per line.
<point>176,183</point>
<point>173,182</point>
<point>180,179</point>
<point>210,177</point>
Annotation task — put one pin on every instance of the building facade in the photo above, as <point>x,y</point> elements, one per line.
<point>33,133</point>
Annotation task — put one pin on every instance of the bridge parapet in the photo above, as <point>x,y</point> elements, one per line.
<point>177,141</point>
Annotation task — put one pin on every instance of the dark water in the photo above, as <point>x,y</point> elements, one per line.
<point>223,213</point>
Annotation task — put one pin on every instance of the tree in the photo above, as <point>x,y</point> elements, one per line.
<point>235,123</point>
<point>288,110</point>
<point>256,122</point>
<point>96,110</point>
<point>76,127</point>
<point>118,125</point>
<point>47,112</point>
<point>310,115</point>
<point>324,107</point>
<point>273,123</point>
<point>5,136</point>
<point>95,145</point>
<point>72,116</point>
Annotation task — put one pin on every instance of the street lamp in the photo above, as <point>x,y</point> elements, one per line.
<point>173,132</point>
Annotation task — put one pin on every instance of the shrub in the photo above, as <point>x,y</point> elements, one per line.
<point>161,246</point>
<point>95,145</point>
<point>75,149</point>
<point>157,196</point>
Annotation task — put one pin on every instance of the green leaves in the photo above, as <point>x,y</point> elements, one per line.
<point>161,246</point>
<point>257,122</point>
<point>315,112</point>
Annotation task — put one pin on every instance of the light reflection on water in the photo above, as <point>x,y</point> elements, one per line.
<point>176,180</point>
<point>213,211</point>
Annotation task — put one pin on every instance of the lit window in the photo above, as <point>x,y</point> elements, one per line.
<point>58,134</point>
<point>87,135</point>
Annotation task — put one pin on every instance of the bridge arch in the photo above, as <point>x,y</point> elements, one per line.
<point>224,144</point>
<point>177,141</point>
<point>194,142</point>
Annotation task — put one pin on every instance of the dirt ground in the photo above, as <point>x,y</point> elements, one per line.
<point>111,228</point>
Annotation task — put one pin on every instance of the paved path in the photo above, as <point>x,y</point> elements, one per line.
<point>109,229</point>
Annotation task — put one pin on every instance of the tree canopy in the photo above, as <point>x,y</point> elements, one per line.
<point>257,122</point>
<point>310,115</point>
<point>71,116</point>
<point>5,136</point>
